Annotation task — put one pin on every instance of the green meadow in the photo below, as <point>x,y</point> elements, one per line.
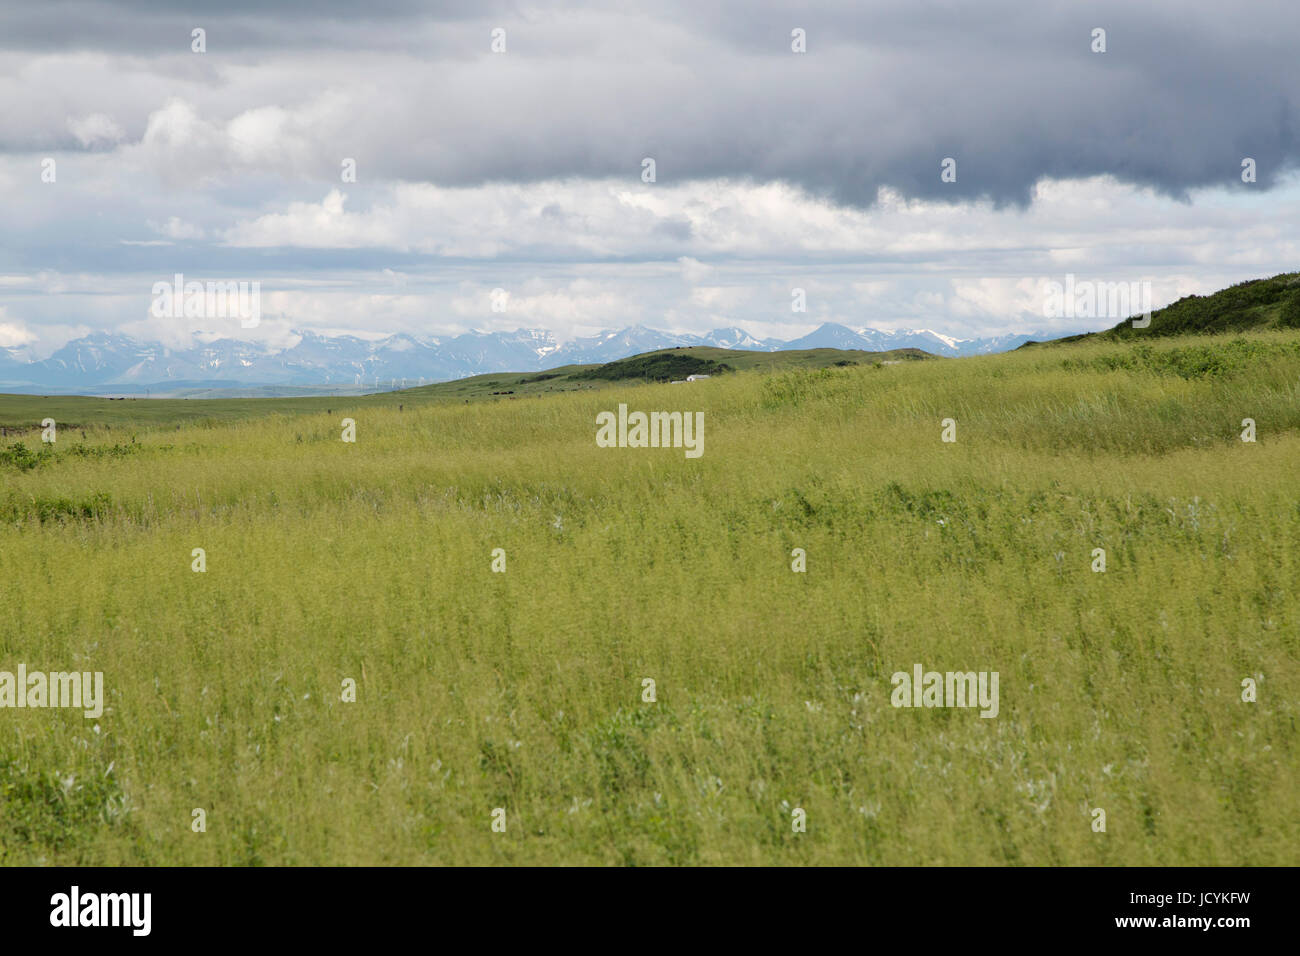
<point>372,562</point>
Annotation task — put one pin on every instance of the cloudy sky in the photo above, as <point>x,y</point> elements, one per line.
<point>523,169</point>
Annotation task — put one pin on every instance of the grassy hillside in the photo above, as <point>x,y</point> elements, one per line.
<point>372,561</point>
<point>22,414</point>
<point>1257,305</point>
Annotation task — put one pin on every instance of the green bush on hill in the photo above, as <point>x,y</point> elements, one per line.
<point>1257,304</point>
<point>656,367</point>
<point>1289,318</point>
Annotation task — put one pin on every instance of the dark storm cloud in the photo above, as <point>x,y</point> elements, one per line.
<point>885,92</point>
<point>142,27</point>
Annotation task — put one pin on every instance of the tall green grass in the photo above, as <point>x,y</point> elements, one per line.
<point>523,690</point>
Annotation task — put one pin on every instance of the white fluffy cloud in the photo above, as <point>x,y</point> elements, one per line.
<point>96,130</point>
<point>13,334</point>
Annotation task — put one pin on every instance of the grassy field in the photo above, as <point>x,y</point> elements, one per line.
<point>371,561</point>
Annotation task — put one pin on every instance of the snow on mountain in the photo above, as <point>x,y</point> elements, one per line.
<point>739,339</point>
<point>945,339</point>
<point>109,361</point>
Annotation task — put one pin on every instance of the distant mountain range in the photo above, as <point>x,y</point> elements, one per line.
<point>107,363</point>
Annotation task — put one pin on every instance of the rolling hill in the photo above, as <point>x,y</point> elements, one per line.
<point>1255,305</point>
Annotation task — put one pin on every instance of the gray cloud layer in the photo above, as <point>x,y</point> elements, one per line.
<point>884,93</point>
